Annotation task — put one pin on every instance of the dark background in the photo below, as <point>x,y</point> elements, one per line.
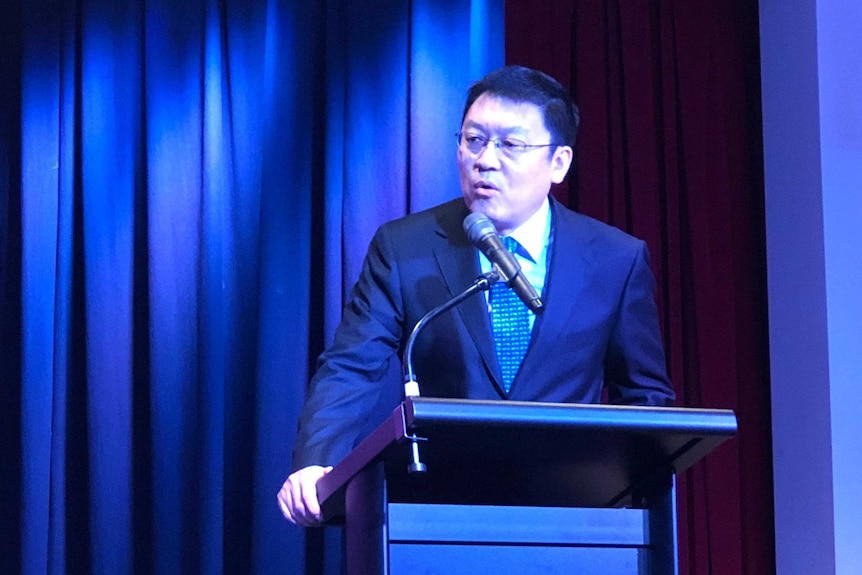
<point>186,192</point>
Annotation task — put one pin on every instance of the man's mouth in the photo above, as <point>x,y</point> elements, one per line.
<point>483,185</point>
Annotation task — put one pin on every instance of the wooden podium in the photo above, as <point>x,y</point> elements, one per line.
<point>518,487</point>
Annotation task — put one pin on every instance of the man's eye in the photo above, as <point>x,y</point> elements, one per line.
<point>474,139</point>
<point>513,144</point>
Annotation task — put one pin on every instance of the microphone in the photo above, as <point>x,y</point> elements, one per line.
<point>484,236</point>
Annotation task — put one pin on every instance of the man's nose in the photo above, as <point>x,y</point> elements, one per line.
<point>488,157</point>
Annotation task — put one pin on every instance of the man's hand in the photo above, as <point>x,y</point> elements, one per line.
<point>297,498</point>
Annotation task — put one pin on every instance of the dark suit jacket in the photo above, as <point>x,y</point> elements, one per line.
<point>600,327</point>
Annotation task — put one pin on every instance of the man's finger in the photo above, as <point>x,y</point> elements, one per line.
<point>283,505</point>
<point>310,505</point>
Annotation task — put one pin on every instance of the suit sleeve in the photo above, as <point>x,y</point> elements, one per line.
<point>353,370</point>
<point>635,368</point>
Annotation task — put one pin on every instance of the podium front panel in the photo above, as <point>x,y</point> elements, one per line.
<point>519,488</point>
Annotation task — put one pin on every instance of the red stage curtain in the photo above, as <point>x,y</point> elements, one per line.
<point>670,151</point>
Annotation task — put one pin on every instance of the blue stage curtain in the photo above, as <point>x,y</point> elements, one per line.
<point>187,188</point>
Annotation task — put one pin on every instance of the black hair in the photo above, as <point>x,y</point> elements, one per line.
<point>520,84</point>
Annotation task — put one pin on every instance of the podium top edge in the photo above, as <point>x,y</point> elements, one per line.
<point>696,430</point>
<point>420,411</point>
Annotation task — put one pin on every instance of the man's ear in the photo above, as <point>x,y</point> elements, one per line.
<point>560,163</point>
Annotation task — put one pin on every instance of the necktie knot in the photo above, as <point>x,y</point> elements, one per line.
<point>511,244</point>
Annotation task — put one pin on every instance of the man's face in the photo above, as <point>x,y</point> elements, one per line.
<point>509,189</point>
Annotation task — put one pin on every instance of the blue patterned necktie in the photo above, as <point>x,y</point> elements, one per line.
<point>510,321</point>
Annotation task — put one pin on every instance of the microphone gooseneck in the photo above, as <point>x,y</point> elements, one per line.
<point>411,386</point>
<point>482,283</point>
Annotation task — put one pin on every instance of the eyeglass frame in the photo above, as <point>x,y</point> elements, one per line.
<point>513,151</point>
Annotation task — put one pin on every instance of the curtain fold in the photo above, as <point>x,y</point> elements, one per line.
<point>188,189</point>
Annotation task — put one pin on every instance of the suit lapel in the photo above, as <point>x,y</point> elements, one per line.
<point>459,265</point>
<point>564,286</point>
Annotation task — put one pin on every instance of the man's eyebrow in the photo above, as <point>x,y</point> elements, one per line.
<point>506,130</point>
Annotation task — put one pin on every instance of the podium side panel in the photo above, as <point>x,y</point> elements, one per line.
<point>664,558</point>
<point>365,523</point>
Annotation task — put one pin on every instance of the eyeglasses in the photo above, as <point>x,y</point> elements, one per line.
<point>511,147</point>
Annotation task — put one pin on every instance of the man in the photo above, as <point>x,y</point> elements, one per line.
<point>599,328</point>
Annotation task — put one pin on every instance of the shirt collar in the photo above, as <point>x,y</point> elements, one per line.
<point>533,234</point>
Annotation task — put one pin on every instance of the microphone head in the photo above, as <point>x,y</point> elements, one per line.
<point>477,226</point>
